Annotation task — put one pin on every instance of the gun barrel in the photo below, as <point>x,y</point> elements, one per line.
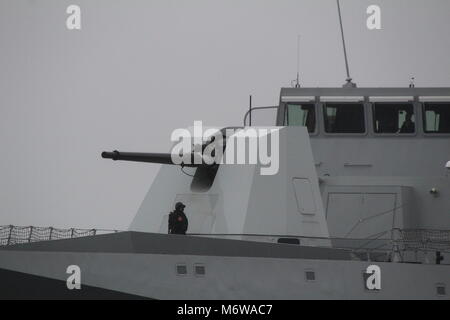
<point>161,158</point>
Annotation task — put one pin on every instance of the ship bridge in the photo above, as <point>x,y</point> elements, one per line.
<point>372,131</point>
<point>369,112</point>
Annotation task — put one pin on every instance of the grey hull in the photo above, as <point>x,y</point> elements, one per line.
<point>18,285</point>
<point>145,265</point>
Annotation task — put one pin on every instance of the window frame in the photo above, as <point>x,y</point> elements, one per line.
<point>424,119</point>
<point>349,134</point>
<point>395,134</point>
<point>316,122</point>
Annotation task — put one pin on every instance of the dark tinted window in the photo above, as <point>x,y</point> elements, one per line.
<point>200,270</point>
<point>301,115</point>
<point>394,118</point>
<point>310,275</point>
<point>289,240</point>
<point>440,290</point>
<point>181,269</point>
<point>437,117</point>
<point>344,118</point>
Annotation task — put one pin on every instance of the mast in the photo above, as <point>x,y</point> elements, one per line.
<point>349,83</point>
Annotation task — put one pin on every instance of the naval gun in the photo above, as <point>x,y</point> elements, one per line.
<point>202,178</point>
<point>159,158</point>
<point>205,172</point>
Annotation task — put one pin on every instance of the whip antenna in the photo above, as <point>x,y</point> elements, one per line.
<point>349,79</point>
<point>296,83</point>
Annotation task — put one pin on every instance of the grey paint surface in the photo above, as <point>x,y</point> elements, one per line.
<point>154,275</point>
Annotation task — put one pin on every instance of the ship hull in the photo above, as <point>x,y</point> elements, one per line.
<point>137,265</point>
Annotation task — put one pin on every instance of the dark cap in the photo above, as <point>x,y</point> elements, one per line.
<point>179,206</point>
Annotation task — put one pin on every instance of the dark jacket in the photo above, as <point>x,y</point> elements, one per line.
<point>178,222</point>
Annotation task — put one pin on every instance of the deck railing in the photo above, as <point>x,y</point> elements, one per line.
<point>390,245</point>
<point>10,235</point>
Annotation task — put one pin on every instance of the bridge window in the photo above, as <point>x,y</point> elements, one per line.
<point>344,118</point>
<point>437,117</point>
<point>301,115</point>
<point>394,118</point>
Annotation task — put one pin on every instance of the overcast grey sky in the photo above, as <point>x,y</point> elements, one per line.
<point>139,69</point>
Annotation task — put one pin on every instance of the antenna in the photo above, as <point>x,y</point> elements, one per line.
<point>297,82</point>
<point>349,83</point>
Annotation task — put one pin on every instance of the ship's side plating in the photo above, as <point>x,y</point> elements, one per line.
<point>178,267</point>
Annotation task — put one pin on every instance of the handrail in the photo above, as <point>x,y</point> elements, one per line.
<point>256,108</point>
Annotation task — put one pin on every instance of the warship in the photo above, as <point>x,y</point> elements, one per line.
<point>358,209</point>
